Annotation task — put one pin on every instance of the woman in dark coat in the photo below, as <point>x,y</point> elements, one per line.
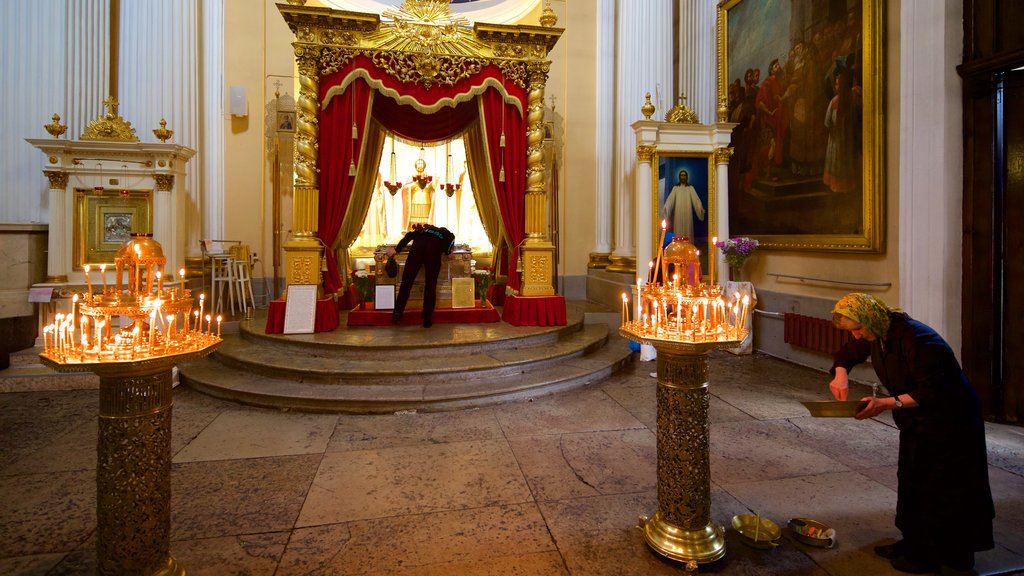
<point>944,504</point>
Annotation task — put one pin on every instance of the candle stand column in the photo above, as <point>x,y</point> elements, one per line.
<point>682,529</point>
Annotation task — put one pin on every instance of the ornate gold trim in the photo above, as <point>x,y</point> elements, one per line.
<point>723,154</point>
<point>681,113</point>
<point>164,182</point>
<point>645,152</point>
<point>55,128</point>
<point>58,180</point>
<point>110,127</point>
<point>599,260</point>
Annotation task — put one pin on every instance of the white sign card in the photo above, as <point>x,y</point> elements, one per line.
<point>300,309</point>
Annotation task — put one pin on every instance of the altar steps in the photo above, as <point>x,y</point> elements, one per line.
<point>384,370</point>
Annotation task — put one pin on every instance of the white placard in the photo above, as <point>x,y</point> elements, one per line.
<point>40,294</point>
<point>300,309</point>
<point>384,297</point>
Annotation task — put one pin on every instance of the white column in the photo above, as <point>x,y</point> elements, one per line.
<point>697,55</point>
<point>155,84</point>
<point>643,64</point>
<point>645,249</point>
<point>210,209</point>
<point>721,224</point>
<point>931,165</point>
<point>605,125</point>
<point>88,63</point>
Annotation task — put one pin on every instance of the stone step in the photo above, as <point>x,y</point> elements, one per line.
<point>387,394</point>
<point>26,377</point>
<point>397,365</point>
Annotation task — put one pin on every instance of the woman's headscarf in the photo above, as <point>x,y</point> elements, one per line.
<point>866,310</point>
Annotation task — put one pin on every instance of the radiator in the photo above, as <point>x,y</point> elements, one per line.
<point>817,334</point>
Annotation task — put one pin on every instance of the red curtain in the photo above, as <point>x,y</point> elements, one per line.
<point>501,120</point>
<point>420,113</point>
<point>338,151</point>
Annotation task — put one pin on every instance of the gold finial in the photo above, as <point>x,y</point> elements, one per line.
<point>110,127</point>
<point>681,113</point>
<point>162,133</point>
<point>56,129</point>
<point>548,19</point>
<point>723,110</point>
<point>647,109</point>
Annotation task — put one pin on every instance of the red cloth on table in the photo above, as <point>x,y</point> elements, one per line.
<point>326,318</point>
<point>534,310</point>
<point>413,316</point>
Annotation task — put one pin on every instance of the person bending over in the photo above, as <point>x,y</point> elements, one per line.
<point>427,244</point>
<point>943,500</point>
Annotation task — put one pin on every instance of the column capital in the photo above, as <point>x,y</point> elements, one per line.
<point>645,153</point>
<point>722,155</point>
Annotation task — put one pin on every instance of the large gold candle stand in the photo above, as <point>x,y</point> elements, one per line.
<point>134,363</point>
<point>684,322</point>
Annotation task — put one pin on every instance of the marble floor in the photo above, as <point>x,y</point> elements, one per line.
<point>549,486</point>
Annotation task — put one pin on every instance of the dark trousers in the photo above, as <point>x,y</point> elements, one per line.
<point>425,251</point>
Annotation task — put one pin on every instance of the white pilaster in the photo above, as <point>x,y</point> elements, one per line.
<point>643,65</point>
<point>931,165</point>
<point>697,58</point>
<point>605,125</point>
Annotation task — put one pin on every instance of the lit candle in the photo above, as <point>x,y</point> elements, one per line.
<point>46,331</point>
<point>181,289</point>
<point>650,271</point>
<point>623,322</point>
<point>138,267</point>
<point>88,282</point>
<point>746,302</point>
<point>218,326</point>
<point>209,325</point>
<point>159,282</point>
<point>170,327</point>
<point>85,332</point>
<point>199,315</point>
<point>74,304</point>
<point>661,250</point>
<point>198,323</point>
<point>711,261</point>
<point>103,276</point>
<point>152,328</point>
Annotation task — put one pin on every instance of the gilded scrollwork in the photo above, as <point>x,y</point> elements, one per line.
<point>645,152</point>
<point>164,182</point>
<point>110,126</point>
<point>58,180</point>
<point>723,154</point>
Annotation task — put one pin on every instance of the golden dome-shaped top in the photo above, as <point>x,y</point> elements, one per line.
<point>683,259</point>
<point>141,249</point>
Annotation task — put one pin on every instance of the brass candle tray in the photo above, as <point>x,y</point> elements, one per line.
<point>757,531</point>
<point>835,408</point>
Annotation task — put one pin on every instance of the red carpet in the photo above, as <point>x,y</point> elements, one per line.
<point>413,316</point>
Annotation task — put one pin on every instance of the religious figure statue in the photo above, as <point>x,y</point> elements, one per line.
<point>418,197</point>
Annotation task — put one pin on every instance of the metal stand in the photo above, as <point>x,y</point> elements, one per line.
<point>133,464</point>
<point>681,529</point>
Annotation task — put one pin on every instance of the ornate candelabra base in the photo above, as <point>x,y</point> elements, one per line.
<point>133,463</point>
<point>681,529</point>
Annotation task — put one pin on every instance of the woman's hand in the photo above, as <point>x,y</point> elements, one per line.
<point>390,252</point>
<point>840,385</point>
<point>871,407</point>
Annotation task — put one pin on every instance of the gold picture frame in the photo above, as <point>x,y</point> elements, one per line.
<point>700,175</point>
<point>808,168</point>
<point>104,220</point>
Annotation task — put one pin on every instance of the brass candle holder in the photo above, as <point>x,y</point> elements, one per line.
<point>684,322</point>
<point>134,363</point>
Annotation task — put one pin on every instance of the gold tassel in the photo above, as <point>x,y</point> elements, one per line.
<point>352,168</point>
<point>355,131</point>
<point>501,142</point>
<point>501,174</point>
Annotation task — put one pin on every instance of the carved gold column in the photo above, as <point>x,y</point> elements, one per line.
<point>681,529</point>
<point>538,252</point>
<point>303,250</point>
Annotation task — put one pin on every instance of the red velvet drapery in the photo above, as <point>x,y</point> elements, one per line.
<point>417,112</point>
<point>338,151</point>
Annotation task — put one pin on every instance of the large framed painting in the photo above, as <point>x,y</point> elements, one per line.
<point>684,198</point>
<point>803,81</point>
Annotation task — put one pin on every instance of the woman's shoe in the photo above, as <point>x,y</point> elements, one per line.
<point>891,551</point>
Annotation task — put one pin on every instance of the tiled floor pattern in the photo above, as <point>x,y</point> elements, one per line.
<point>549,486</point>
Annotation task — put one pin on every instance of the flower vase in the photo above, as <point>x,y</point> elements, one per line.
<point>736,273</point>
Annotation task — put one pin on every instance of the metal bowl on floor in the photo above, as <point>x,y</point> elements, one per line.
<point>757,531</point>
<point>835,408</point>
<point>812,532</point>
